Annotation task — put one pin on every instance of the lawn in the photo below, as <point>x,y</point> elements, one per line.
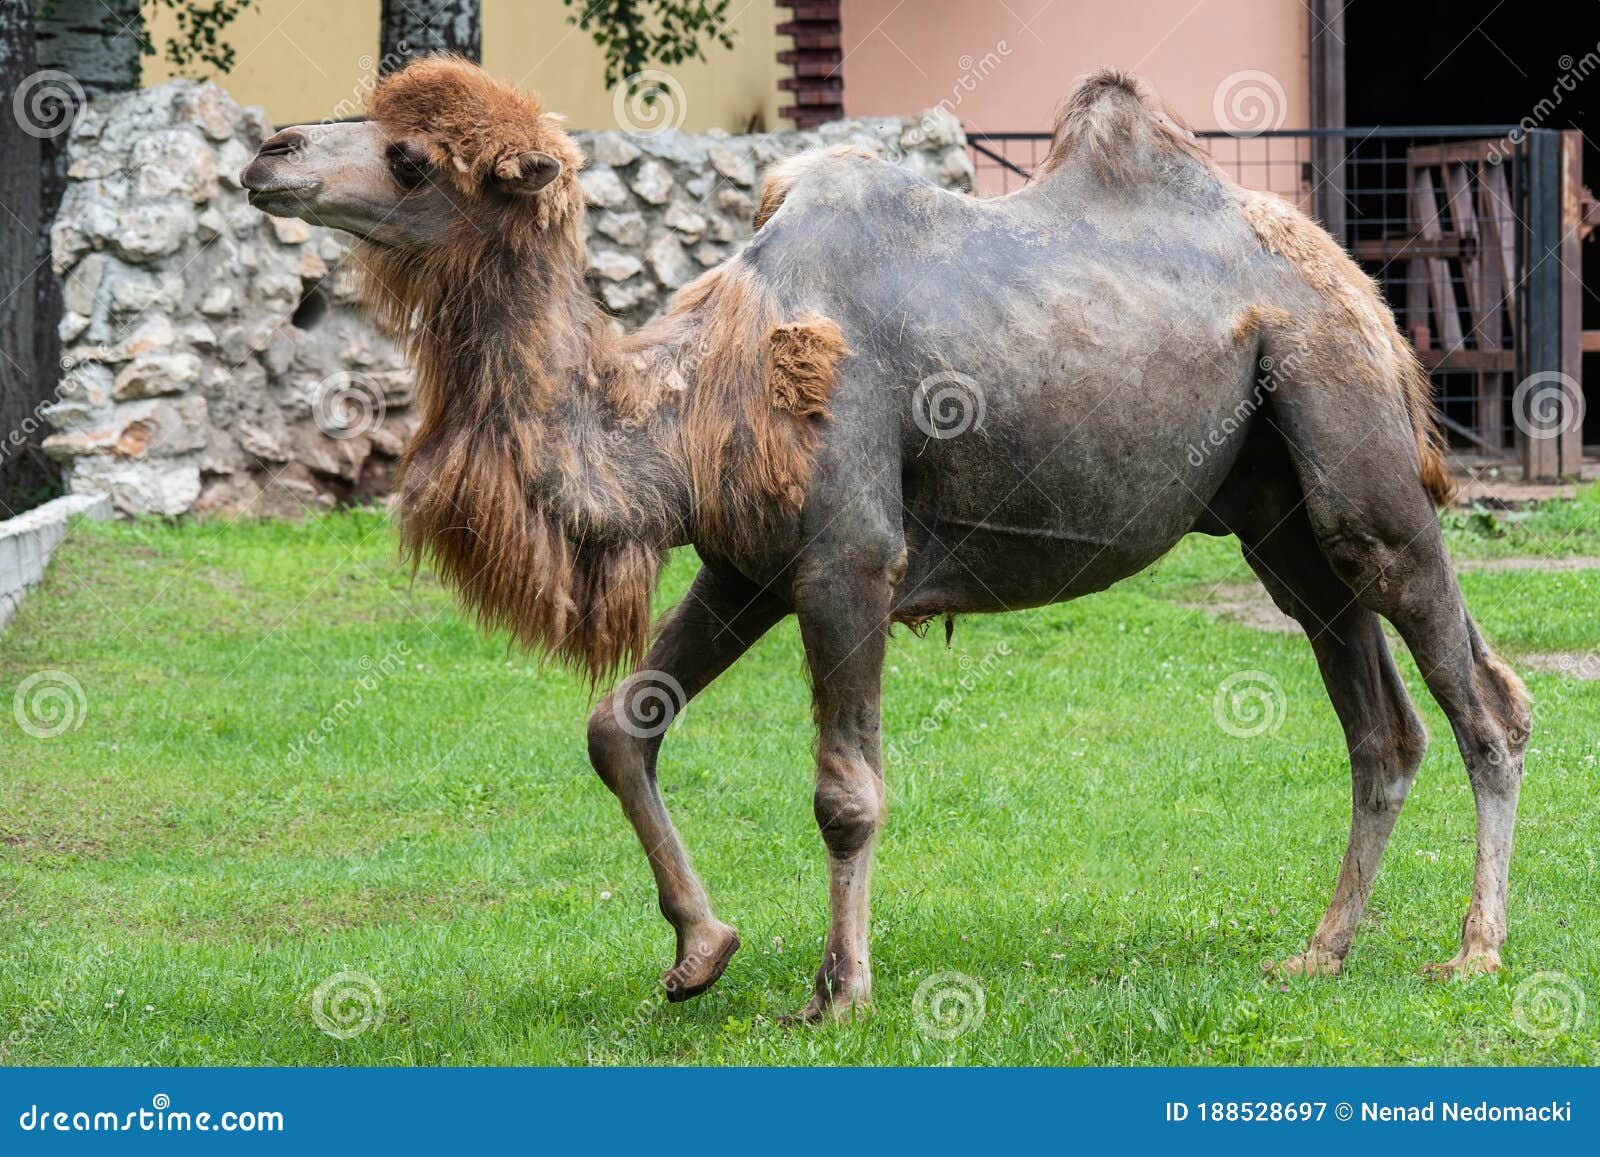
<point>280,759</point>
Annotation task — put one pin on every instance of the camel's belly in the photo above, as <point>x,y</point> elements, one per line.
<point>1053,502</point>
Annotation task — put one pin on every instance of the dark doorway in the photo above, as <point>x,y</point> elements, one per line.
<point>1455,62</point>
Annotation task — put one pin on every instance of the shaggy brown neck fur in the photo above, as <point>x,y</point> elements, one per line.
<point>521,486</point>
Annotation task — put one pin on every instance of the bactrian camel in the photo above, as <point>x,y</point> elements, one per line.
<point>900,403</point>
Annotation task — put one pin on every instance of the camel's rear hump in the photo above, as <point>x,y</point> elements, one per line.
<point>1114,124</point>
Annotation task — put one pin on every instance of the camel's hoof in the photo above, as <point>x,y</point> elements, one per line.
<point>820,1010</point>
<point>1308,963</point>
<point>1464,963</point>
<point>701,965</point>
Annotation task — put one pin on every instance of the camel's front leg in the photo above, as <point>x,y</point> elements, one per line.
<point>844,628</point>
<point>718,620</point>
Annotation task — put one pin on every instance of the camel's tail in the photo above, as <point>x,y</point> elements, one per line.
<point>1436,478</point>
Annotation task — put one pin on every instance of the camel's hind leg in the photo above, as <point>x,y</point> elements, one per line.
<point>1386,739</point>
<point>718,620</point>
<point>1357,460</point>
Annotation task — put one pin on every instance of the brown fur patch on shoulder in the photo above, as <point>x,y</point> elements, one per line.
<point>783,176</point>
<point>1108,117</point>
<point>800,365</point>
<point>756,399</point>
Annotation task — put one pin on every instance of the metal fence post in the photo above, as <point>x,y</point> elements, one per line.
<point>1544,402</point>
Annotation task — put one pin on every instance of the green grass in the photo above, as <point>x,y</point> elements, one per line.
<point>1072,830</point>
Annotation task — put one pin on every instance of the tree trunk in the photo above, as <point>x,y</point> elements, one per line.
<point>96,44</point>
<point>24,473</point>
<point>412,28</point>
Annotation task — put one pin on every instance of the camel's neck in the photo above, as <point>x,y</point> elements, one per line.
<point>538,484</point>
<point>529,375</point>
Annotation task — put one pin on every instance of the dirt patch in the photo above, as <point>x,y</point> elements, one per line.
<point>1503,495</point>
<point>1574,664</point>
<point>31,847</point>
<point>1247,604</point>
<point>1577,562</point>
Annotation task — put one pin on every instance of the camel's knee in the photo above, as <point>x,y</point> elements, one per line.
<point>619,756</point>
<point>1386,762</point>
<point>1364,562</point>
<point>848,803</point>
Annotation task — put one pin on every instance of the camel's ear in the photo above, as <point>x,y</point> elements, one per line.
<point>527,173</point>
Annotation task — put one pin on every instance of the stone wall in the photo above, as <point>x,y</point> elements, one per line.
<point>212,359</point>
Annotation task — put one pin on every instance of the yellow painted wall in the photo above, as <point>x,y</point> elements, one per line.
<point>301,59</point>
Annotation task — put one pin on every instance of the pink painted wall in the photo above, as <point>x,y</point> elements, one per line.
<point>1005,64</point>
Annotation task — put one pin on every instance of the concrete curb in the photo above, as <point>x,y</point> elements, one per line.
<point>27,541</point>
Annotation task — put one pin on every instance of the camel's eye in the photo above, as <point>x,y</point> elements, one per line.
<point>408,164</point>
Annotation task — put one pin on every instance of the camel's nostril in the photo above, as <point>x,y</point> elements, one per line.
<point>283,144</point>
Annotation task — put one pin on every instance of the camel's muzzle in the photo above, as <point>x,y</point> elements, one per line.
<point>271,177</point>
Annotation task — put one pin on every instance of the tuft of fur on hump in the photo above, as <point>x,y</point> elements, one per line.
<point>785,174</point>
<point>1113,118</point>
<point>1110,117</point>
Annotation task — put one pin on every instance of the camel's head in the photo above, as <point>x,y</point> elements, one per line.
<point>447,155</point>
